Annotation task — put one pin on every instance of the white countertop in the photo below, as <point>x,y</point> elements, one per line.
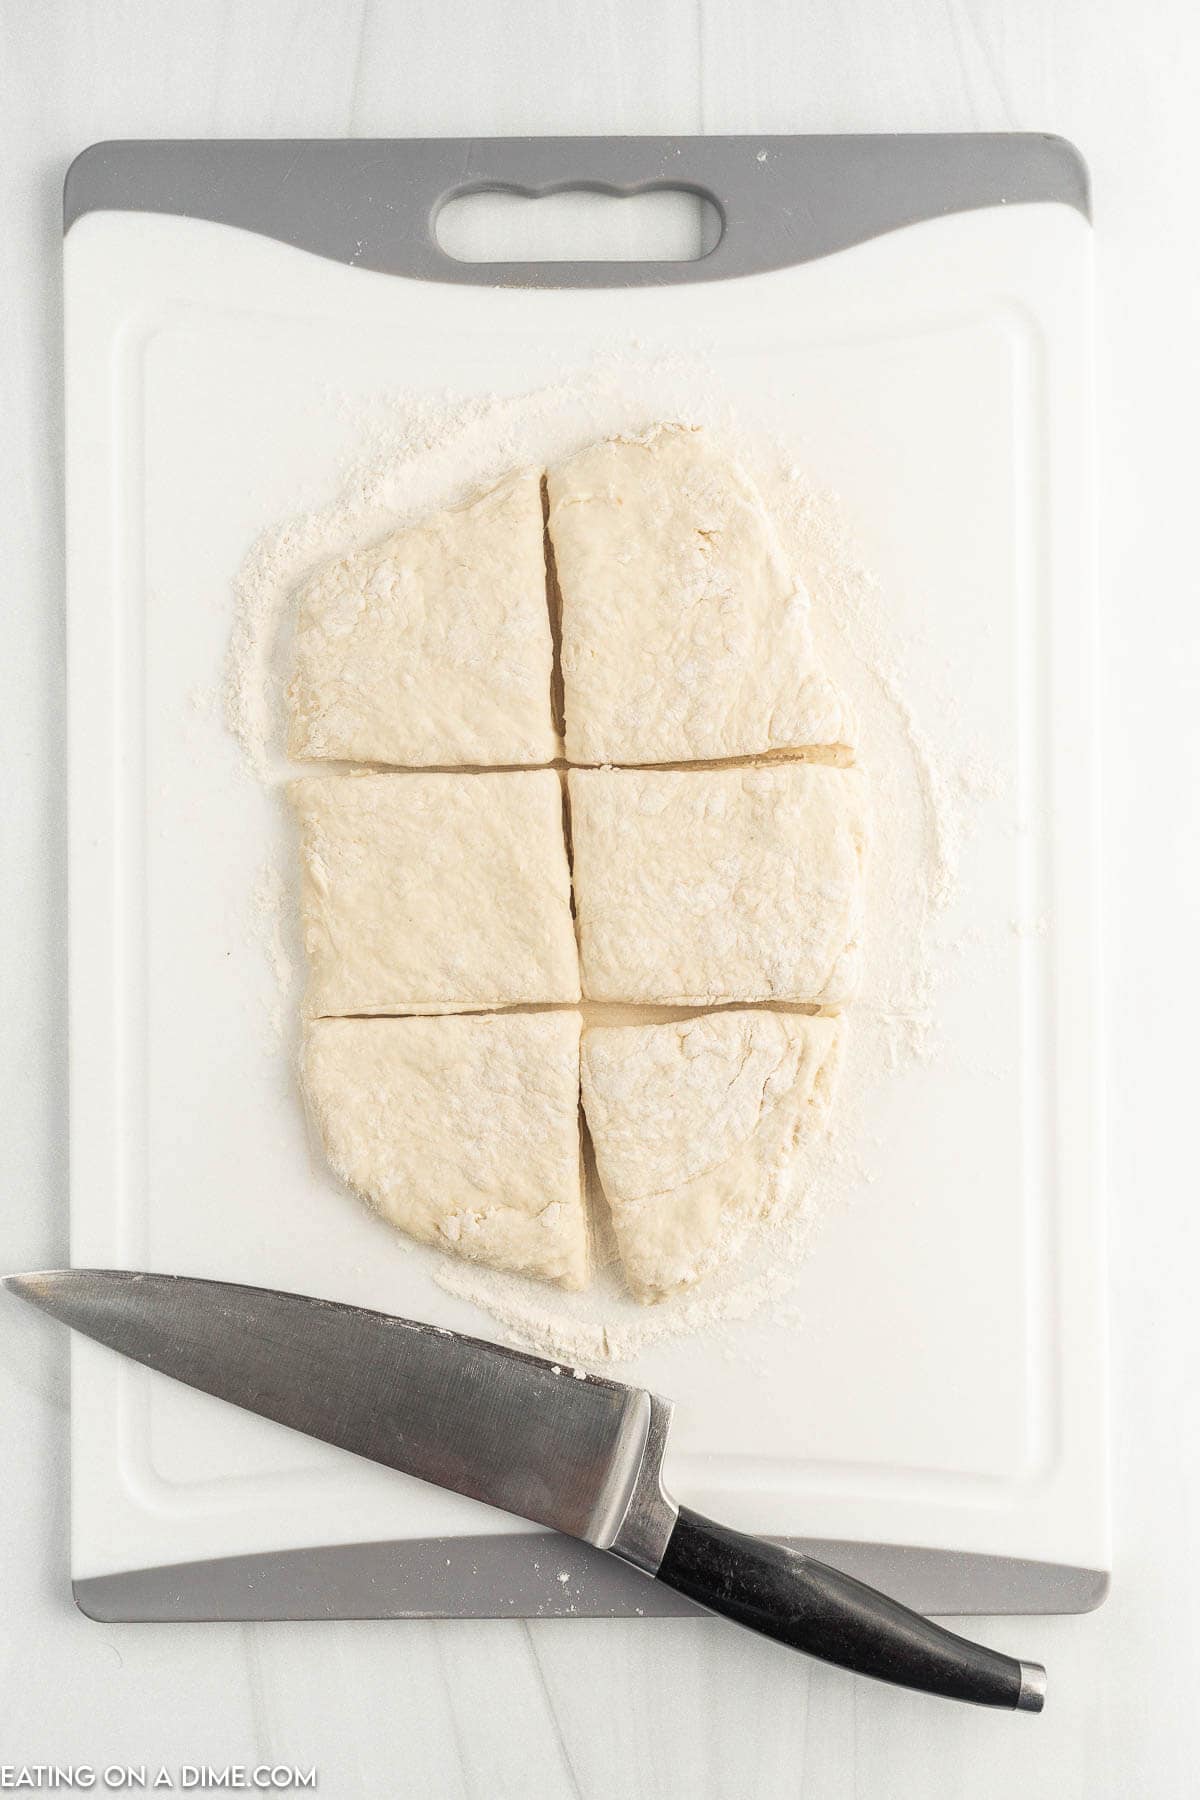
<point>654,1708</point>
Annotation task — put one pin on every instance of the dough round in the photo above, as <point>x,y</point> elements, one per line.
<point>696,887</point>
<point>435,893</point>
<point>464,1132</point>
<point>433,647</point>
<point>697,1127</point>
<point>685,636</point>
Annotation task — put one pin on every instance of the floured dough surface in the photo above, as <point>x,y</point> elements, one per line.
<point>685,636</point>
<point>698,1129</point>
<point>711,886</point>
<point>464,1132</point>
<point>434,646</point>
<point>434,892</point>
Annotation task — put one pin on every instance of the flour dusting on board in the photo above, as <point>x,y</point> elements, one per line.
<point>422,452</point>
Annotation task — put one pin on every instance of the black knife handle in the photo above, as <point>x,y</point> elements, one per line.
<point>806,1604</point>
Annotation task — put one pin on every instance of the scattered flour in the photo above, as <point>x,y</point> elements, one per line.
<point>422,452</point>
<point>273,916</point>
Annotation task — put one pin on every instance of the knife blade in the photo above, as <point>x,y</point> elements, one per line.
<point>564,1448</point>
<point>525,1435</point>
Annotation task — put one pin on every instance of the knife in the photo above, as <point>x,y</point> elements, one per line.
<point>573,1451</point>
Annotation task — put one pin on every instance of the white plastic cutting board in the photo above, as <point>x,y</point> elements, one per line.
<point>943,1407</point>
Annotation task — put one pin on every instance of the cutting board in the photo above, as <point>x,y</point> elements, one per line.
<point>917,312</point>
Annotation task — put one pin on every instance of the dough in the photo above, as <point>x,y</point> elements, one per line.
<point>685,637</point>
<point>698,1129</point>
<point>432,893</point>
<point>433,646</point>
<point>714,885</point>
<point>464,1132</point>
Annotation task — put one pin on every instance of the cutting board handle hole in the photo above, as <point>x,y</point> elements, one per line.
<point>578,225</point>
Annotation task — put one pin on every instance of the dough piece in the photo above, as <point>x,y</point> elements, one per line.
<point>463,1131</point>
<point>685,636</point>
<point>705,886</point>
<point>698,1129</point>
<point>433,646</point>
<point>434,893</point>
